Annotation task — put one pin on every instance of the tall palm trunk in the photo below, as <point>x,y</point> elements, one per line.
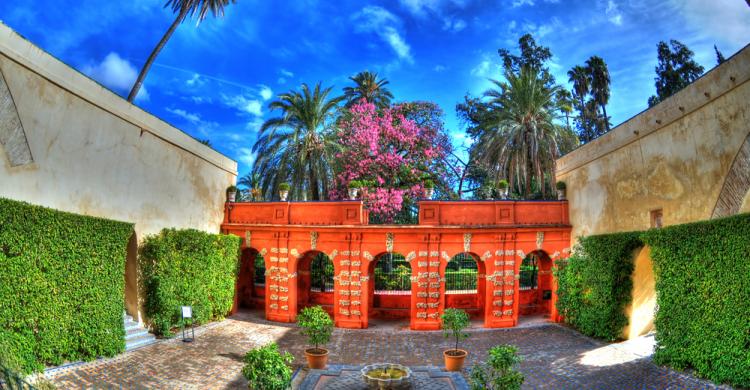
<point>315,191</point>
<point>606,118</point>
<point>155,52</point>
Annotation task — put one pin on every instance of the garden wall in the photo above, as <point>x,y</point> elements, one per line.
<point>61,286</point>
<point>688,157</point>
<point>68,143</point>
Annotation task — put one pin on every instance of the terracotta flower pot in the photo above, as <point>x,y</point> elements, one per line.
<point>317,358</point>
<point>453,361</point>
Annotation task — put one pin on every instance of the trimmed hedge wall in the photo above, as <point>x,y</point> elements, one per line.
<point>595,285</point>
<point>703,293</point>
<point>62,286</point>
<point>188,268</point>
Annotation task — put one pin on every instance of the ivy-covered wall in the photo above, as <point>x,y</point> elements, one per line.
<point>703,295</point>
<point>594,284</point>
<point>187,268</point>
<point>61,286</point>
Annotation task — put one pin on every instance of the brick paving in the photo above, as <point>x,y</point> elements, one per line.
<point>554,357</point>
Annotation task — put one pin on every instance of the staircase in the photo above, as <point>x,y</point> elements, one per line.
<point>136,335</point>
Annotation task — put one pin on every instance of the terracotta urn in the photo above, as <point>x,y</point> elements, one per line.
<point>283,194</point>
<point>454,359</point>
<point>317,358</point>
<point>353,192</point>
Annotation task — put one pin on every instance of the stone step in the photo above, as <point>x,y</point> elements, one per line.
<point>139,341</point>
<point>135,332</point>
<point>132,325</point>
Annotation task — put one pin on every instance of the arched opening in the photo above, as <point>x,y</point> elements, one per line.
<point>535,284</point>
<point>315,281</point>
<point>390,291</point>
<point>464,286</point>
<point>131,278</point>
<point>251,281</point>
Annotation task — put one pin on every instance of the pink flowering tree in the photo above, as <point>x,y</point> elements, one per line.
<point>389,151</point>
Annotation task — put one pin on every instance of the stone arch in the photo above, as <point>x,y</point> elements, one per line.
<point>315,282</point>
<point>535,284</point>
<point>461,292</point>
<point>389,292</point>
<point>131,277</point>
<point>735,193</point>
<point>251,279</point>
<point>642,307</point>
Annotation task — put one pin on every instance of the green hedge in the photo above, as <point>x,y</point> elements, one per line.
<point>62,286</point>
<point>190,268</point>
<point>703,293</point>
<point>595,285</point>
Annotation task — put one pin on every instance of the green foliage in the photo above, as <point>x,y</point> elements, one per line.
<point>355,184</point>
<point>675,70</point>
<point>428,184</point>
<point>284,186</point>
<point>560,185</point>
<point>703,283</point>
<point>594,284</point>
<point>316,324</point>
<point>267,369</point>
<point>502,184</point>
<point>61,286</point>
<point>187,268</point>
<point>231,189</point>
<point>454,323</point>
<point>497,372</point>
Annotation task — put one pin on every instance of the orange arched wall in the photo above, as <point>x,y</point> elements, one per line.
<point>498,233</point>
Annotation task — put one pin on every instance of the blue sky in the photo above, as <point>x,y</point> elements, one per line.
<point>214,80</point>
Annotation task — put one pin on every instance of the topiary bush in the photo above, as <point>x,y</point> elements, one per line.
<point>62,286</point>
<point>702,275</point>
<point>497,373</point>
<point>595,284</point>
<point>187,268</point>
<point>317,325</point>
<point>267,369</point>
<point>454,322</point>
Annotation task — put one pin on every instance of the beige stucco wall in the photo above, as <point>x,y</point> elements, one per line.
<point>95,154</point>
<point>675,156</point>
<point>688,156</point>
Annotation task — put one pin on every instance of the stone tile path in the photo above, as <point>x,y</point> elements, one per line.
<point>554,357</point>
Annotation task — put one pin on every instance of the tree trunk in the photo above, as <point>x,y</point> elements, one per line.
<point>154,53</point>
<point>315,191</point>
<point>606,118</point>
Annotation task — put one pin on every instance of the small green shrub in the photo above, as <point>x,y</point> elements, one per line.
<point>428,184</point>
<point>702,275</point>
<point>267,369</point>
<point>560,185</point>
<point>454,323</point>
<point>62,286</point>
<point>316,324</point>
<point>502,184</point>
<point>187,268</point>
<point>355,184</point>
<point>595,284</point>
<point>497,372</point>
<point>284,187</point>
<point>231,189</point>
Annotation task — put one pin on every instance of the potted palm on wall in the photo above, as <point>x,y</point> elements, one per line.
<point>454,323</point>
<point>317,325</point>
<point>284,191</point>
<point>231,193</point>
<point>429,189</point>
<point>560,186</point>
<point>354,188</point>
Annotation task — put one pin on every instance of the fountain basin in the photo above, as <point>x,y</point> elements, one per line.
<point>386,376</point>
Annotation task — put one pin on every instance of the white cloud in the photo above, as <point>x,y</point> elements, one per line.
<point>723,20</point>
<point>246,156</point>
<point>454,25</point>
<point>439,68</point>
<point>265,92</point>
<point>378,20</point>
<point>520,3</point>
<point>116,73</point>
<point>482,69</point>
<point>284,76</point>
<point>190,117</point>
<point>421,8</point>
<point>195,81</point>
<point>613,13</point>
<point>244,104</point>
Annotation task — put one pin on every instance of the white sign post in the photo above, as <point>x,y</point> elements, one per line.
<point>187,312</point>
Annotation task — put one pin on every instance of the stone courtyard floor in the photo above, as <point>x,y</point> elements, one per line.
<point>554,357</point>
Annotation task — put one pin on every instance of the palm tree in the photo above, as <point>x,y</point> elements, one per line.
<point>564,102</point>
<point>579,76</point>
<point>296,147</point>
<point>523,145</point>
<point>599,84</point>
<point>184,9</point>
<point>368,87</point>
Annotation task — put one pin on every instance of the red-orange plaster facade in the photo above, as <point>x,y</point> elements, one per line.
<point>498,234</point>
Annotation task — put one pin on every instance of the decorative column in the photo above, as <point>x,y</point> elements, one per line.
<point>281,293</point>
<point>350,284</point>
<point>502,285</point>
<point>427,285</point>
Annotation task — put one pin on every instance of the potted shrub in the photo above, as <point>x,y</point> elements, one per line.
<point>497,372</point>
<point>268,369</point>
<point>429,189</point>
<point>231,193</point>
<point>317,325</point>
<point>502,187</point>
<point>354,187</point>
<point>283,191</point>
<point>454,323</point>
<point>560,185</point>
